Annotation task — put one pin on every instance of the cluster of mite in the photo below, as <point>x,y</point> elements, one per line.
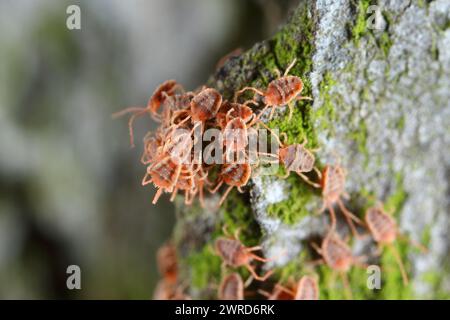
<point>174,108</point>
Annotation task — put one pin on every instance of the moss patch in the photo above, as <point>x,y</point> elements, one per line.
<point>360,27</point>
<point>297,205</point>
<point>237,214</point>
<point>205,268</point>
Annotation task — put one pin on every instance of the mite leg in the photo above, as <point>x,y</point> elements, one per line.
<point>259,278</point>
<point>400,264</point>
<point>349,217</point>
<point>286,72</point>
<point>157,195</point>
<point>225,195</point>
<point>291,110</point>
<point>216,187</point>
<point>272,112</point>
<point>238,93</point>
<point>284,289</point>
<point>307,180</point>
<point>146,180</point>
<point>416,244</point>
<point>174,194</point>
<point>137,111</point>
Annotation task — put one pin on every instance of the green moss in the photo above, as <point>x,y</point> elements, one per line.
<point>395,201</point>
<point>426,236</point>
<point>392,283</point>
<point>360,27</point>
<point>237,214</point>
<point>325,115</point>
<point>299,127</point>
<point>385,43</point>
<point>332,286</point>
<point>205,268</point>
<point>297,205</point>
<point>296,41</point>
<point>435,279</point>
<point>360,138</point>
<point>294,269</point>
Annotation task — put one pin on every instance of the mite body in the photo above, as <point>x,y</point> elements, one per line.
<point>338,256</point>
<point>231,288</point>
<point>165,174</point>
<point>235,254</point>
<point>305,289</point>
<point>384,231</point>
<point>333,188</point>
<point>281,91</point>
<point>231,110</point>
<point>381,225</point>
<point>152,145</point>
<point>296,158</point>
<point>233,175</point>
<point>167,262</point>
<point>205,105</point>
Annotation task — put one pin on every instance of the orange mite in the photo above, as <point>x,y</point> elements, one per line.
<point>238,111</point>
<point>234,175</point>
<point>167,88</point>
<point>338,256</point>
<point>277,294</point>
<point>333,187</point>
<point>167,291</point>
<point>231,288</point>
<point>166,258</point>
<point>281,91</point>
<point>296,158</point>
<point>205,105</point>
<point>191,184</point>
<point>235,254</point>
<point>235,53</point>
<point>165,174</point>
<point>384,231</point>
<point>305,289</point>
<point>152,144</point>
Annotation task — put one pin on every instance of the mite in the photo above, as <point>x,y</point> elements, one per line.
<point>191,183</point>
<point>233,175</point>
<point>296,158</point>
<point>166,258</point>
<point>282,91</point>
<point>278,293</point>
<point>241,111</point>
<point>165,174</point>
<point>205,105</point>
<point>305,289</point>
<point>167,88</point>
<point>231,288</point>
<point>167,291</point>
<point>152,145</point>
<point>384,231</point>
<point>333,188</point>
<point>235,254</point>
<point>235,53</point>
<point>338,256</point>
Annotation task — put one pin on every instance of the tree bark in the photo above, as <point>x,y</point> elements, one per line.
<point>381,103</point>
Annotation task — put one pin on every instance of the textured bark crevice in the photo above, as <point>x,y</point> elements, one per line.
<point>381,102</point>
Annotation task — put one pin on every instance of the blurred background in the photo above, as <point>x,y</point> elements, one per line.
<point>70,188</point>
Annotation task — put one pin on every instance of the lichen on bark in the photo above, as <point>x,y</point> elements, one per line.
<point>380,103</point>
